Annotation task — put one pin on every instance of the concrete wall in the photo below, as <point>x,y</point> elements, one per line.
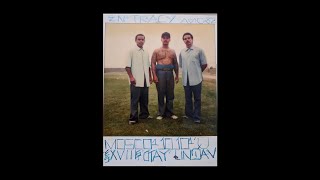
<point>120,38</point>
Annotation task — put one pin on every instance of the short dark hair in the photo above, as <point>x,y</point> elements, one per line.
<point>187,33</point>
<point>140,35</point>
<point>165,34</point>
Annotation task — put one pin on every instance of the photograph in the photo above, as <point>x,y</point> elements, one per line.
<point>160,78</point>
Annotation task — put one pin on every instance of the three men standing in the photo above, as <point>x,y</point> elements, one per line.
<point>193,62</point>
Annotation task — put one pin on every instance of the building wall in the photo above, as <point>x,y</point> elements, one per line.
<point>120,38</point>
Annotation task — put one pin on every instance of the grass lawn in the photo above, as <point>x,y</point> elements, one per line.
<point>117,111</point>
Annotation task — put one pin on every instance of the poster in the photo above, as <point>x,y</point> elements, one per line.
<point>153,142</point>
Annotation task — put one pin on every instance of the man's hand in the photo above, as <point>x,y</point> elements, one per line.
<point>177,79</point>
<point>150,80</point>
<point>155,79</point>
<point>132,81</point>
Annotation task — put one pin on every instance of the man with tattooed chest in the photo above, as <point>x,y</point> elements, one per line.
<point>163,63</point>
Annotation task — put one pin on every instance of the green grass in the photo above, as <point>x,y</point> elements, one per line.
<point>117,111</point>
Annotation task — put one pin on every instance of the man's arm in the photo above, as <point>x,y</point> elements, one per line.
<point>203,67</point>
<point>150,77</point>
<point>128,69</point>
<point>180,61</point>
<point>176,66</point>
<point>153,66</point>
<point>132,80</point>
<point>203,60</point>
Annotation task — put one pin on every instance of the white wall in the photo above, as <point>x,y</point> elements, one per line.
<point>120,38</point>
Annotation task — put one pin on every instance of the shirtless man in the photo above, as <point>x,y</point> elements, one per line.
<point>163,62</point>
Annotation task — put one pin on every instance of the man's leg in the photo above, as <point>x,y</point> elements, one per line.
<point>144,100</point>
<point>197,102</point>
<point>135,95</point>
<point>161,88</point>
<point>169,93</point>
<point>188,100</point>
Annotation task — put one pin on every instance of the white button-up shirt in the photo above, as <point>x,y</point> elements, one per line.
<point>139,63</point>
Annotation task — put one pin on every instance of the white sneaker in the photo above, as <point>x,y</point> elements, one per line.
<point>159,117</point>
<point>197,121</point>
<point>174,117</point>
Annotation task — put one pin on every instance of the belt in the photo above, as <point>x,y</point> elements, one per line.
<point>165,69</point>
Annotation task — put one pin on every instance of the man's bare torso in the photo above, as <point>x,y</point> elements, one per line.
<point>164,56</point>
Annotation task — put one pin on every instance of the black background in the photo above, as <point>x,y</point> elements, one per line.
<point>60,90</point>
